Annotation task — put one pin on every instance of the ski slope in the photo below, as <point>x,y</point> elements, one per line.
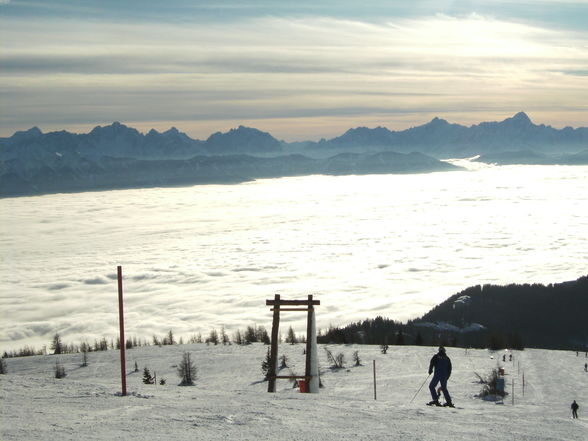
<point>230,402</point>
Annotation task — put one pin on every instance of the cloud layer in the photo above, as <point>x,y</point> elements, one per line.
<point>205,256</point>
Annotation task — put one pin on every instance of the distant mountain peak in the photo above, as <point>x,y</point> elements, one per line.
<point>438,121</point>
<point>34,131</point>
<point>30,133</point>
<point>247,129</point>
<point>243,139</point>
<point>520,118</point>
<point>113,129</point>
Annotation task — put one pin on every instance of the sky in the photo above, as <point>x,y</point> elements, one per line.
<point>300,70</point>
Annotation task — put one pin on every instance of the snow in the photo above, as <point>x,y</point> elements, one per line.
<point>229,400</point>
<point>473,327</point>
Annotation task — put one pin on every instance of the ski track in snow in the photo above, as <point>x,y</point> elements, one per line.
<point>229,402</point>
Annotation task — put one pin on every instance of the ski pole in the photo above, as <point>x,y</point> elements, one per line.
<point>420,388</point>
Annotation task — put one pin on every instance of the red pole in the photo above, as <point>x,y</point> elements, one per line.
<point>122,343</point>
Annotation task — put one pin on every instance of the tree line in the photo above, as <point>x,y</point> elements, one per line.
<point>251,334</point>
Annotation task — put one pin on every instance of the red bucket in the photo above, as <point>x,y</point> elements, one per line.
<point>302,385</point>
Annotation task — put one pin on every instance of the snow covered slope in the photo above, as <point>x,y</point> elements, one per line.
<point>229,400</point>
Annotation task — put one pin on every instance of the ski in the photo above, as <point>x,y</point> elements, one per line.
<point>443,405</point>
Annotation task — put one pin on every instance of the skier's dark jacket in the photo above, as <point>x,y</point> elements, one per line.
<point>442,365</point>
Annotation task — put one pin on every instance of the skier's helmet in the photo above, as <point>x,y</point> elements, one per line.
<point>442,349</point>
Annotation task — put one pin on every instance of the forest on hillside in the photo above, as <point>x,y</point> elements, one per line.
<point>552,316</point>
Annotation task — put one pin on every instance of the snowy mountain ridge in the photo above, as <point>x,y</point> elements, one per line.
<point>437,137</point>
<point>118,156</point>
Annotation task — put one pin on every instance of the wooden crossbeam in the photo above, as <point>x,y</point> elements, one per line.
<point>292,302</point>
<point>289,309</point>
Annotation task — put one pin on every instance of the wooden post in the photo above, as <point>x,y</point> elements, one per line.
<point>513,392</point>
<point>271,386</point>
<point>311,370</point>
<point>121,322</point>
<point>523,384</point>
<point>375,396</point>
<point>307,370</point>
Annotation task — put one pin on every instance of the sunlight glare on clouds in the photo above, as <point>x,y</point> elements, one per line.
<point>267,68</point>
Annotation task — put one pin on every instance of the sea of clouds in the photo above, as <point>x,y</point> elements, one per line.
<point>200,257</point>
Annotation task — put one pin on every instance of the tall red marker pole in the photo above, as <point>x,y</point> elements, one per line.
<point>121,321</point>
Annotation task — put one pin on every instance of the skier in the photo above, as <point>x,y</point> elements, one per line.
<point>585,367</point>
<point>574,407</point>
<point>441,363</point>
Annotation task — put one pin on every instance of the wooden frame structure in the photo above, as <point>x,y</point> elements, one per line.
<point>290,305</point>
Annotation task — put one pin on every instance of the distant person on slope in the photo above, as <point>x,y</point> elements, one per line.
<point>575,408</point>
<point>442,366</point>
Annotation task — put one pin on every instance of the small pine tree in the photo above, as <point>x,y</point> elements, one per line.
<point>162,382</point>
<point>85,347</point>
<point>187,370</point>
<point>237,338</point>
<point>224,338</point>
<point>56,344</point>
<point>265,338</point>
<point>265,365</point>
<point>250,334</point>
<point>59,370</point>
<point>291,337</point>
<point>213,337</point>
<point>147,378</point>
<point>169,340</point>
<point>356,358</point>
<point>136,367</point>
<point>84,359</point>
<point>283,362</point>
<point>340,360</point>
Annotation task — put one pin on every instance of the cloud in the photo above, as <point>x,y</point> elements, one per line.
<point>283,67</point>
<point>96,281</point>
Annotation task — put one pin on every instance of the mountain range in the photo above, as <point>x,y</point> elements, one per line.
<point>440,138</point>
<point>117,156</point>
